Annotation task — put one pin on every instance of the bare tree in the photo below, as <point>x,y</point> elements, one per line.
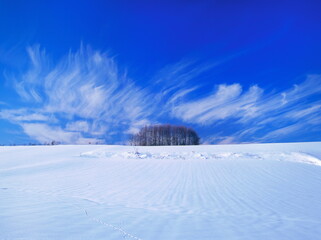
<point>160,135</point>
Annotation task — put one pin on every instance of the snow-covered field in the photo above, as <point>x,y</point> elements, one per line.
<point>262,191</point>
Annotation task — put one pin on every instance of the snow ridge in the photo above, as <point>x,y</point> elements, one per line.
<point>278,156</point>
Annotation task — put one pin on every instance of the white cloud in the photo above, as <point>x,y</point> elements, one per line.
<point>19,115</point>
<point>136,126</point>
<point>231,102</point>
<point>260,116</point>
<point>78,126</point>
<point>86,97</point>
<point>88,84</point>
<point>297,114</point>
<point>46,134</point>
<point>220,140</point>
<point>227,101</point>
<point>281,132</point>
<point>85,92</point>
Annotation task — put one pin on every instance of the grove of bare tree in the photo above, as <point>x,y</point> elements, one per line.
<point>161,135</point>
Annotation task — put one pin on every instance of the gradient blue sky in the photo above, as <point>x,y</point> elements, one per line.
<point>96,71</point>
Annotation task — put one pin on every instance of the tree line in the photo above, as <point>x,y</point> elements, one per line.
<point>162,135</point>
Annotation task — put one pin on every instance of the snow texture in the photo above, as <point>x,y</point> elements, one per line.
<point>254,191</point>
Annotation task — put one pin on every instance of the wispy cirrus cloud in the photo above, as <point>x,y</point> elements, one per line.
<point>84,93</point>
<point>227,101</point>
<point>255,114</point>
<point>85,97</point>
<point>45,133</point>
<point>25,115</point>
<point>231,101</point>
<point>261,116</point>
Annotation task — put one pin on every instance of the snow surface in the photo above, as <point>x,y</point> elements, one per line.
<point>257,191</point>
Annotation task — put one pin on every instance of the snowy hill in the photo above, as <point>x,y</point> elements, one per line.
<point>257,191</point>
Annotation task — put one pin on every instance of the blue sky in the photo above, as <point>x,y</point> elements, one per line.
<point>96,71</point>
